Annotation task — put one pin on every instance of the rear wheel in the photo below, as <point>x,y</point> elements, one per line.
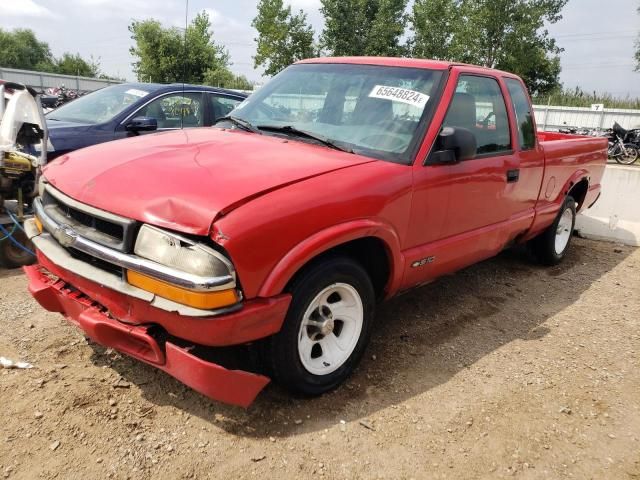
<point>551,246</point>
<point>12,256</point>
<point>629,155</point>
<point>326,329</point>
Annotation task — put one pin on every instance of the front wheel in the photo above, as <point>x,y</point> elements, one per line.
<point>326,329</point>
<point>627,156</point>
<point>551,246</point>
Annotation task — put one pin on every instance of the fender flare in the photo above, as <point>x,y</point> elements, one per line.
<point>547,211</point>
<point>577,177</point>
<point>329,238</point>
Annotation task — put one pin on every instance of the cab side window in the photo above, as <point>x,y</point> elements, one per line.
<point>524,116</point>
<point>478,105</point>
<point>221,106</point>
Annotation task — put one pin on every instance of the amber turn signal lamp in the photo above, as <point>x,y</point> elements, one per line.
<point>202,300</point>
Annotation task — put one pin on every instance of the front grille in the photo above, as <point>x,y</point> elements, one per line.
<point>116,232</point>
<point>96,262</point>
<point>101,227</point>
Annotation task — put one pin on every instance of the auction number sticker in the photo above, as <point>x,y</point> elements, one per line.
<point>397,94</point>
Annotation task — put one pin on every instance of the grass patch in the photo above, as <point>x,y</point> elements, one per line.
<point>580,98</point>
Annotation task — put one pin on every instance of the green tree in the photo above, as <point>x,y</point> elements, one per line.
<point>364,27</point>
<point>241,83</point>
<point>283,38</point>
<point>168,55</point>
<point>21,49</point>
<point>70,64</point>
<point>434,23</point>
<point>224,78</point>
<point>504,34</point>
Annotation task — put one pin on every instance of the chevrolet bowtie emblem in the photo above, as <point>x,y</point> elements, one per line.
<point>66,235</point>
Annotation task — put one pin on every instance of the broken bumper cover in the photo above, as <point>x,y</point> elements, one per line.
<point>235,387</point>
<point>256,319</point>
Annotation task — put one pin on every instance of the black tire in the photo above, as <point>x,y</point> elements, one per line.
<point>11,256</point>
<point>544,245</point>
<point>280,352</point>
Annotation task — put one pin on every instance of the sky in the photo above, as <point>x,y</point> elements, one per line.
<point>597,35</point>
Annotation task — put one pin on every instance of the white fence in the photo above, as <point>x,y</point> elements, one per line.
<point>42,80</point>
<point>549,117</point>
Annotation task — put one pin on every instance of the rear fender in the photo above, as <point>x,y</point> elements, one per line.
<point>578,176</point>
<point>329,238</point>
<point>546,211</point>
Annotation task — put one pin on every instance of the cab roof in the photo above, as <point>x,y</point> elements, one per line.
<point>402,62</point>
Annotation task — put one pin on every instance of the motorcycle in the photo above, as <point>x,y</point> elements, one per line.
<point>58,96</point>
<point>621,146</point>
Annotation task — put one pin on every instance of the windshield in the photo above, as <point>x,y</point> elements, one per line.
<point>370,110</point>
<point>99,106</point>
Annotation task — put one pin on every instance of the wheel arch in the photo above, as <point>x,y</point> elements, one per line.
<point>362,240</point>
<point>579,192</point>
<point>577,186</point>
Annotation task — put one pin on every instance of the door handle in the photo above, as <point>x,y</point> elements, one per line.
<point>513,175</point>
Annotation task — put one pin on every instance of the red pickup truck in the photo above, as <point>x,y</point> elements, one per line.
<point>341,182</point>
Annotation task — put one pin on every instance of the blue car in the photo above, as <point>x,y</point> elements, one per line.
<point>130,109</point>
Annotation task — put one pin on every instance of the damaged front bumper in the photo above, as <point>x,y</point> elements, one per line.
<point>93,307</point>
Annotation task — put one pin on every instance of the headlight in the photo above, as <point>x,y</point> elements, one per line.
<point>183,255</point>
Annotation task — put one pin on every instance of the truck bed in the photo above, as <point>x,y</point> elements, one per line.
<point>568,160</point>
<point>567,154</point>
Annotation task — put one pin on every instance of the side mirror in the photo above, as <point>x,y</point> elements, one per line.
<point>142,124</point>
<point>453,145</point>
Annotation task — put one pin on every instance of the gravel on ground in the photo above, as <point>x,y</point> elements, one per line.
<point>503,370</point>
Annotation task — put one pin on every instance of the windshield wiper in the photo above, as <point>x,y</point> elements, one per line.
<point>290,129</point>
<point>239,122</point>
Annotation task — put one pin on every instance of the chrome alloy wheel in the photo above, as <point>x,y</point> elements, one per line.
<point>330,329</point>
<point>563,232</point>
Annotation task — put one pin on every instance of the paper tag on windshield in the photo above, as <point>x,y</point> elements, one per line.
<point>397,94</point>
<point>136,92</point>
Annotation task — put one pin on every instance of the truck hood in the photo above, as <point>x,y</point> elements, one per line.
<point>62,125</point>
<point>183,180</point>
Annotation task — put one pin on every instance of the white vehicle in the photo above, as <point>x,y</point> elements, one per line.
<point>23,153</point>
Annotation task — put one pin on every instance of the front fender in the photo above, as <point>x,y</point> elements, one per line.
<point>328,238</point>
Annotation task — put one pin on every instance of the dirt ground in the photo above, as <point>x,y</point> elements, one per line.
<point>505,369</point>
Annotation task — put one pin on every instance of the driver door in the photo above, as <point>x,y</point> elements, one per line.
<point>458,209</point>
